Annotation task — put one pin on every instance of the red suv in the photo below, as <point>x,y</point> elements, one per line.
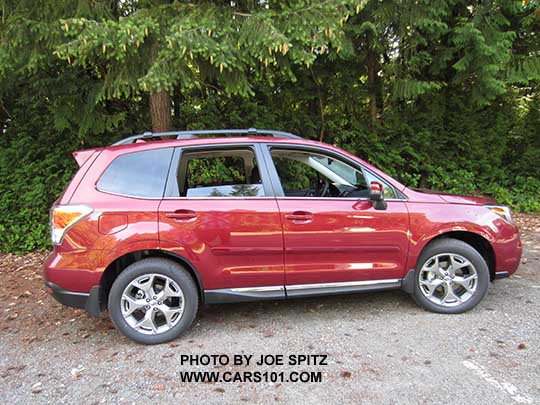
<point>151,227</point>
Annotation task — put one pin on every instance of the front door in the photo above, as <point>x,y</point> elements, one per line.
<point>334,239</point>
<point>219,213</point>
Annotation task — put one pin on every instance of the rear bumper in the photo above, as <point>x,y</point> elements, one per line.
<point>76,271</point>
<point>91,302</point>
<point>73,279</point>
<point>65,297</point>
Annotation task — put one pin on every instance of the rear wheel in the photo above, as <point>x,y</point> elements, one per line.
<point>451,277</point>
<point>153,301</point>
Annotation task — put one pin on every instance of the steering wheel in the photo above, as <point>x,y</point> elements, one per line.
<point>347,192</point>
<point>324,187</point>
<point>333,190</point>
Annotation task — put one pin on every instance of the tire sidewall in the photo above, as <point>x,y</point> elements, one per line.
<point>452,246</point>
<point>158,266</point>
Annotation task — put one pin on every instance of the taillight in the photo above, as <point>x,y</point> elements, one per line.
<point>64,217</point>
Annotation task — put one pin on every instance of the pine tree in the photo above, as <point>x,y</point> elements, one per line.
<point>157,46</point>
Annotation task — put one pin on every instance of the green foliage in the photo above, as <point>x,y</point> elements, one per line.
<point>523,194</point>
<point>46,124</point>
<point>295,175</point>
<point>139,47</point>
<point>440,94</point>
<point>205,172</point>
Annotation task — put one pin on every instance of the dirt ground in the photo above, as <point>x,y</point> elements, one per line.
<point>380,346</point>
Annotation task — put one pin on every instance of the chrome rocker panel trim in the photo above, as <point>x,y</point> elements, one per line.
<point>227,295</point>
<point>305,290</point>
<point>298,290</point>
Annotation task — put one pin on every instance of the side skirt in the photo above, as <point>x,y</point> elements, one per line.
<point>298,290</point>
<point>227,295</point>
<point>307,290</point>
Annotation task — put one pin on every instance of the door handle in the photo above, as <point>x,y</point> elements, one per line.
<point>299,216</point>
<point>181,215</point>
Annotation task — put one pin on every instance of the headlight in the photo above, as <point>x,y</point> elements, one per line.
<point>501,210</point>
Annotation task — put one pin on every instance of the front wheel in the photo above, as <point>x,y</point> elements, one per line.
<point>451,277</point>
<point>153,301</point>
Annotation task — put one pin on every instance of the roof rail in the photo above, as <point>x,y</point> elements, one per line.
<point>157,136</point>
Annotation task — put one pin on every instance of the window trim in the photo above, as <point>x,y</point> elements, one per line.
<point>276,182</point>
<point>139,197</point>
<point>171,186</point>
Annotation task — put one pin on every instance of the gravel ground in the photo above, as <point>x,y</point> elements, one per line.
<point>379,347</point>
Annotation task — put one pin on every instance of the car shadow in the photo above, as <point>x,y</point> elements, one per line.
<point>366,303</point>
<point>258,315</point>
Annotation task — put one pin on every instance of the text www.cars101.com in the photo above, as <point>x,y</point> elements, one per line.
<point>250,376</point>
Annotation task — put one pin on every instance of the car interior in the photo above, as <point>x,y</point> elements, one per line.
<point>219,173</point>
<point>234,173</point>
<point>307,174</point>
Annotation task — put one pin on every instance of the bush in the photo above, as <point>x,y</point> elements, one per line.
<point>524,196</point>
<point>438,142</point>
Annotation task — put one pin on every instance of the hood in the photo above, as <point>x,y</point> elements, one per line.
<point>454,198</point>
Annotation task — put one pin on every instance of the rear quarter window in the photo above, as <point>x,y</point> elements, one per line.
<point>137,174</point>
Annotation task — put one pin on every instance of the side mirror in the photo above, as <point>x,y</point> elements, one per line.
<point>376,195</point>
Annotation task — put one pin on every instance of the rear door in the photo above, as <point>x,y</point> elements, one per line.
<point>219,213</point>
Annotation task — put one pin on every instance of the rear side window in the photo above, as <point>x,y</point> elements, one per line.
<point>216,171</point>
<point>138,174</point>
<point>219,173</point>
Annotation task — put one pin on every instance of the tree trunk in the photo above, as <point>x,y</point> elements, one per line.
<point>160,102</point>
<point>320,106</point>
<point>372,68</point>
<point>161,111</point>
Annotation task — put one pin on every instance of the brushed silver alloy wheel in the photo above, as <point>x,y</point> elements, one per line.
<point>448,279</point>
<point>152,304</point>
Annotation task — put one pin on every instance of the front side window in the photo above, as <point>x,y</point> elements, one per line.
<point>137,174</point>
<point>309,174</point>
<point>219,173</point>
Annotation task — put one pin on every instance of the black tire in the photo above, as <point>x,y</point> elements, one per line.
<point>449,246</point>
<point>164,267</point>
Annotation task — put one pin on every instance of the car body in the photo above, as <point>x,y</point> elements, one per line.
<point>268,237</point>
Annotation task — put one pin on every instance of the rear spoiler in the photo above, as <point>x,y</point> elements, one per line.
<point>82,156</point>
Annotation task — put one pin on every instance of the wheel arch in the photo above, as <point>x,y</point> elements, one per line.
<point>112,271</point>
<point>476,241</point>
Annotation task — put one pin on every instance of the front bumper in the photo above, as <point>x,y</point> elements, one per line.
<point>508,249</point>
<point>501,274</point>
<point>92,302</point>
